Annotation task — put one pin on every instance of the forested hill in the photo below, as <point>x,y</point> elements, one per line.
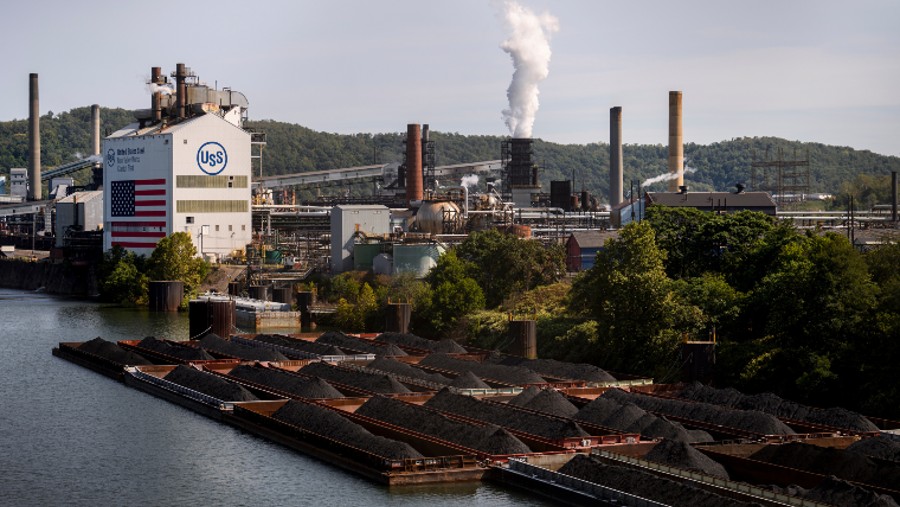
<point>293,148</point>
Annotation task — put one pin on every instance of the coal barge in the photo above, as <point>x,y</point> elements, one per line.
<point>398,414</point>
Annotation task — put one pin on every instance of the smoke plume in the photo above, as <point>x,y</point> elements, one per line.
<point>667,176</point>
<point>529,47</point>
<point>469,181</point>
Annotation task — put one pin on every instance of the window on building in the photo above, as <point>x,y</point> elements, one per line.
<point>188,220</point>
<point>229,227</point>
<point>217,228</point>
<point>243,227</point>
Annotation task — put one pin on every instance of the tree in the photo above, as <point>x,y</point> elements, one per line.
<point>120,277</point>
<point>454,293</point>
<point>505,264</point>
<point>175,258</point>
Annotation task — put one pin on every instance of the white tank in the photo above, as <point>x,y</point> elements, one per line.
<point>431,215</point>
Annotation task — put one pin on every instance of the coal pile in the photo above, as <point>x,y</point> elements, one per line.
<point>644,484</point>
<point>391,350</point>
<point>550,401</point>
<point>837,492</point>
<point>844,464</point>
<point>879,447</point>
<point>358,345</point>
<point>215,343</point>
<point>630,418</point>
<point>285,381</point>
<point>773,404</point>
<point>417,342</point>
<point>505,416</point>
<point>469,380</point>
<point>515,375</point>
<point>179,351</point>
<point>113,352</point>
<point>683,455</point>
<point>489,439</point>
<point>330,424</point>
<point>383,384</point>
<point>400,368</point>
<point>208,384</point>
<point>554,368</point>
<point>300,345</point>
<point>749,420</point>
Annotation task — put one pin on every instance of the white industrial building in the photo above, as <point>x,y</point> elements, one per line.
<point>185,172</point>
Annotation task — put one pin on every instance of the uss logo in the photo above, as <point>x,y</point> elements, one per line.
<point>212,158</point>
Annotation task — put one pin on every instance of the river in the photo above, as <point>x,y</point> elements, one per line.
<point>69,436</point>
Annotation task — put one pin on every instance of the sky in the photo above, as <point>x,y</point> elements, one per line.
<point>823,71</point>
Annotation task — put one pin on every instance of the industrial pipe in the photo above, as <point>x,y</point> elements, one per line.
<point>95,130</point>
<point>414,186</point>
<point>156,95</point>
<point>180,90</point>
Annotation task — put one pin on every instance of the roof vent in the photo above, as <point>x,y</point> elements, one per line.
<point>740,188</point>
<point>682,189</point>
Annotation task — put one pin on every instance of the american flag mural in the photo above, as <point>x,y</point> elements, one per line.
<point>142,205</point>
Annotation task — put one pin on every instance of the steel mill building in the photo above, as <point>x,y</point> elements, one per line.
<point>184,166</point>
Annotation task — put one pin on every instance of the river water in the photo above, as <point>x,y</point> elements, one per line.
<point>69,436</point>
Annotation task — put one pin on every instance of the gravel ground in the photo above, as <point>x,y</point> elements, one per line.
<point>112,351</point>
<point>400,368</point>
<point>179,351</point>
<point>504,415</point>
<point>343,341</point>
<point>215,343</point>
<point>878,447</point>
<point>683,455</point>
<point>417,342</point>
<point>489,438</point>
<point>328,423</point>
<point>383,384</point>
<point>285,381</point>
<point>630,418</point>
<point>844,464</point>
<point>748,420</point>
<point>301,345</point>
<point>469,380</point>
<point>772,404</point>
<point>209,384</point>
<point>550,401</point>
<point>646,485</point>
<point>554,368</point>
<point>516,375</point>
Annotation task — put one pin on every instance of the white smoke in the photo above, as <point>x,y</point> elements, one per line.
<point>529,47</point>
<point>668,176</point>
<point>165,89</point>
<point>469,181</point>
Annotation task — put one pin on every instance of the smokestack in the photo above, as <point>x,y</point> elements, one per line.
<point>676,145</point>
<point>95,129</point>
<point>414,191</point>
<point>34,139</point>
<point>180,90</point>
<point>615,156</point>
<point>894,196</point>
<point>156,95</point>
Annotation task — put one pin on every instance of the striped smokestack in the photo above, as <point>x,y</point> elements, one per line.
<point>615,156</point>
<point>676,144</point>
<point>414,190</point>
<point>34,140</point>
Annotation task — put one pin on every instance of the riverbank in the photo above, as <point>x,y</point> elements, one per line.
<point>62,278</point>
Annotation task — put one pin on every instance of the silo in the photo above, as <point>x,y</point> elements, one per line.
<point>523,338</point>
<point>165,295</point>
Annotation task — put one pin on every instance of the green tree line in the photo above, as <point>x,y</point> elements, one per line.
<point>292,148</point>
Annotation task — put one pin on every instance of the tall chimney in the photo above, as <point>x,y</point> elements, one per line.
<point>414,190</point>
<point>676,144</point>
<point>155,97</point>
<point>34,140</point>
<point>894,196</point>
<point>180,89</point>
<point>615,156</point>
<point>95,129</point>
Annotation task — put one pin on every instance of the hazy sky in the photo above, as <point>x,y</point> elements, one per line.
<point>818,70</point>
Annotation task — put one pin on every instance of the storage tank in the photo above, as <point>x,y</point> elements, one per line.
<point>364,254</point>
<point>432,214</point>
<point>416,259</point>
